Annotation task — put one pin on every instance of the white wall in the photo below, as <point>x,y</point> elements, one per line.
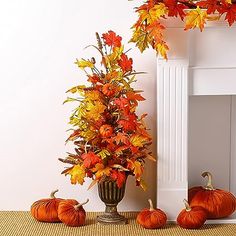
<point>39,41</point>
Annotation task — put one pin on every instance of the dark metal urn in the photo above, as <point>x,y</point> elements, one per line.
<point>111,195</point>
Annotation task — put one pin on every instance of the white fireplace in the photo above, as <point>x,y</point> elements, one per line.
<point>196,110</point>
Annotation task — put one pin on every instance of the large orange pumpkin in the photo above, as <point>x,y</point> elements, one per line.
<point>191,217</point>
<point>45,210</point>
<point>152,218</point>
<point>106,131</point>
<point>72,213</point>
<point>218,203</point>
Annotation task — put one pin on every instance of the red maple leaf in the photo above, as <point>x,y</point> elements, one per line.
<point>90,159</point>
<point>119,177</point>
<point>121,102</point>
<point>230,10</point>
<point>111,39</point>
<point>210,5</point>
<point>175,8</point>
<point>127,125</point>
<point>125,63</point>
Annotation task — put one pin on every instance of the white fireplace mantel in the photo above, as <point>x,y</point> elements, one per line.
<point>199,64</point>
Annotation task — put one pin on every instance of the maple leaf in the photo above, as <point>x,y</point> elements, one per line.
<point>93,79</point>
<point>141,39</point>
<point>119,177</point>
<point>111,39</point>
<point>162,48</point>
<point>134,96</point>
<point>175,8</point>
<point>125,63</point>
<point>121,102</point>
<point>138,140</point>
<point>77,173</point>
<point>84,63</point>
<point>90,159</point>
<point>136,167</point>
<point>94,110</point>
<point>210,5</point>
<point>155,30</point>
<point>230,10</point>
<point>155,13</point>
<point>121,138</point>
<point>127,125</point>
<point>196,18</point>
<point>100,170</point>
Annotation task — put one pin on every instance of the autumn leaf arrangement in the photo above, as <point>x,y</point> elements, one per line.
<point>111,141</point>
<point>149,28</point>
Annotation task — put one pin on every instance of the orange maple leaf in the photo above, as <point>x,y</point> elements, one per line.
<point>125,63</point>
<point>121,138</point>
<point>100,170</point>
<point>111,39</point>
<point>134,96</point>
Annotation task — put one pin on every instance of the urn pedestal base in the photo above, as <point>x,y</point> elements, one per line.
<point>111,216</point>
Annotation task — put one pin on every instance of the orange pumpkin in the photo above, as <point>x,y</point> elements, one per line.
<point>218,203</point>
<point>152,218</point>
<point>108,89</point>
<point>191,217</point>
<point>71,213</point>
<point>45,210</point>
<point>106,131</point>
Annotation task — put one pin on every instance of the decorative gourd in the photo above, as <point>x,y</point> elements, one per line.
<point>218,203</point>
<point>106,131</point>
<point>191,217</point>
<point>152,218</point>
<point>108,90</point>
<point>72,213</point>
<point>45,210</point>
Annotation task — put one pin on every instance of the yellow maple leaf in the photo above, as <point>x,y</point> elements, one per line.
<point>162,48</point>
<point>140,38</point>
<point>196,18</point>
<point>94,110</point>
<point>138,140</point>
<point>77,174</point>
<point>136,167</point>
<point>155,13</point>
<point>100,170</point>
<point>84,63</point>
<point>92,95</point>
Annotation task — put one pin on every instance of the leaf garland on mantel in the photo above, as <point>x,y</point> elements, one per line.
<point>148,29</point>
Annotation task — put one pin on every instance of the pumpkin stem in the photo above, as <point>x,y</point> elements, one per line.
<point>151,205</point>
<point>187,206</point>
<point>80,204</point>
<point>209,185</point>
<point>52,195</point>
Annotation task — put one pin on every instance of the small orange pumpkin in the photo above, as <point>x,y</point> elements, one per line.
<point>108,89</point>
<point>106,131</point>
<point>72,213</point>
<point>45,210</point>
<point>152,218</point>
<point>191,217</point>
<point>217,203</point>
